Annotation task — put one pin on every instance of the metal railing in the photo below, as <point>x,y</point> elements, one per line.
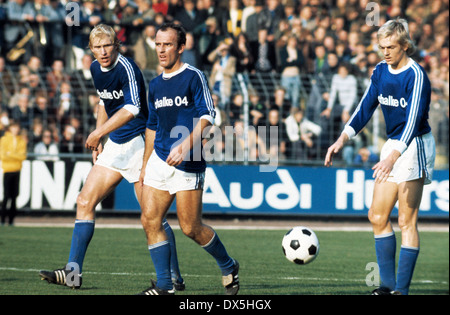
<point>263,84</point>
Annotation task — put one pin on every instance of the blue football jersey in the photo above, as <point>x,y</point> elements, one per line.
<point>176,103</point>
<point>118,86</point>
<point>404,96</point>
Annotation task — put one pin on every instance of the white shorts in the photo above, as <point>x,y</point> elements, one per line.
<point>124,158</point>
<point>160,175</point>
<point>414,162</point>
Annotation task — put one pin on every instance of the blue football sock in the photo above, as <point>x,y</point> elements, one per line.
<point>160,253</point>
<point>406,264</point>
<point>174,267</point>
<point>216,249</point>
<point>81,237</point>
<point>385,247</point>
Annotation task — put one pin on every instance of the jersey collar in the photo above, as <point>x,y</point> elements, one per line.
<point>405,67</point>
<point>167,76</point>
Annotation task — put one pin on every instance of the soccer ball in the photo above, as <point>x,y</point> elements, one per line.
<point>300,245</point>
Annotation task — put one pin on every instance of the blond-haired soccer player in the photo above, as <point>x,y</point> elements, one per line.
<point>402,89</point>
<point>123,116</point>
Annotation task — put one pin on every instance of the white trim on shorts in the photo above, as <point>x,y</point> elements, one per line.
<point>160,175</point>
<point>125,158</point>
<point>418,159</point>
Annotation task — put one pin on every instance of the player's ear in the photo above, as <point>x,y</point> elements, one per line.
<point>181,49</point>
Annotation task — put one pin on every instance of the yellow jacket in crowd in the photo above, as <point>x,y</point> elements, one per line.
<point>13,150</point>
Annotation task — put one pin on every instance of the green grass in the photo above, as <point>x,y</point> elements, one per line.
<point>118,262</point>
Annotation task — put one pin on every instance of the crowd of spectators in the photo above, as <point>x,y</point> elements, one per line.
<point>321,53</point>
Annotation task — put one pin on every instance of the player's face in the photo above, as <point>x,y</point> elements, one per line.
<point>104,51</point>
<point>168,51</point>
<point>394,54</point>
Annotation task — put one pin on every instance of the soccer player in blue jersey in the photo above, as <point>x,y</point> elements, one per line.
<point>181,108</point>
<point>123,116</point>
<point>402,89</point>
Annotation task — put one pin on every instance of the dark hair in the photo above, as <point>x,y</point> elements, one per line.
<point>181,32</point>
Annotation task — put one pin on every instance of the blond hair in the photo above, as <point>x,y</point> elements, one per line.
<point>399,28</point>
<point>104,30</point>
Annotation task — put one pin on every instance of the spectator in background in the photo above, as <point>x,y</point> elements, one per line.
<point>56,76</point>
<point>258,111</point>
<point>365,158</point>
<point>280,102</point>
<point>259,19</point>
<point>208,37</point>
<point>190,55</point>
<point>66,104</point>
<point>189,16</point>
<point>276,148</point>
<point>233,19</point>
<point>291,65</point>
<point>264,53</point>
<point>42,12</point>
<point>84,73</point>
<point>145,50</point>
<point>344,90</point>
<point>223,70</point>
<point>46,149</point>
<point>35,133</point>
<point>235,111</point>
<point>213,9</point>
<point>22,113</point>
<point>244,59</point>
<point>13,151</point>
<point>68,143</point>
<point>42,111</point>
<point>18,12</point>
<point>302,134</point>
<point>56,31</point>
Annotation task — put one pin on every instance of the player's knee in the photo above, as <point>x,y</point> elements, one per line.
<point>82,202</point>
<point>150,222</point>
<point>189,230</point>
<point>377,219</point>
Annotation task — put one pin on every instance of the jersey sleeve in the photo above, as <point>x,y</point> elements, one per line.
<point>365,108</point>
<point>130,89</point>
<point>152,121</point>
<point>202,98</point>
<point>418,98</point>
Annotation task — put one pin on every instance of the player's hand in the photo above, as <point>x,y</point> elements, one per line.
<point>332,150</point>
<point>141,176</point>
<point>96,153</point>
<point>177,155</point>
<point>93,141</point>
<point>381,171</point>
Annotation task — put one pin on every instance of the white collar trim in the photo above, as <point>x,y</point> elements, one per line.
<point>405,67</point>
<point>167,76</point>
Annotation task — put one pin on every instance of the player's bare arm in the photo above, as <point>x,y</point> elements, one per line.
<point>118,120</point>
<point>335,148</point>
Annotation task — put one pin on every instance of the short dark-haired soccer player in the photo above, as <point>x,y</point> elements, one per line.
<point>123,116</point>
<point>180,103</point>
<point>402,88</point>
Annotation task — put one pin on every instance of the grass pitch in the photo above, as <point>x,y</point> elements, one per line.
<point>118,263</point>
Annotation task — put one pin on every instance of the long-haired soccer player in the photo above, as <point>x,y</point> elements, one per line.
<point>402,88</point>
<point>123,116</point>
<point>181,107</point>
